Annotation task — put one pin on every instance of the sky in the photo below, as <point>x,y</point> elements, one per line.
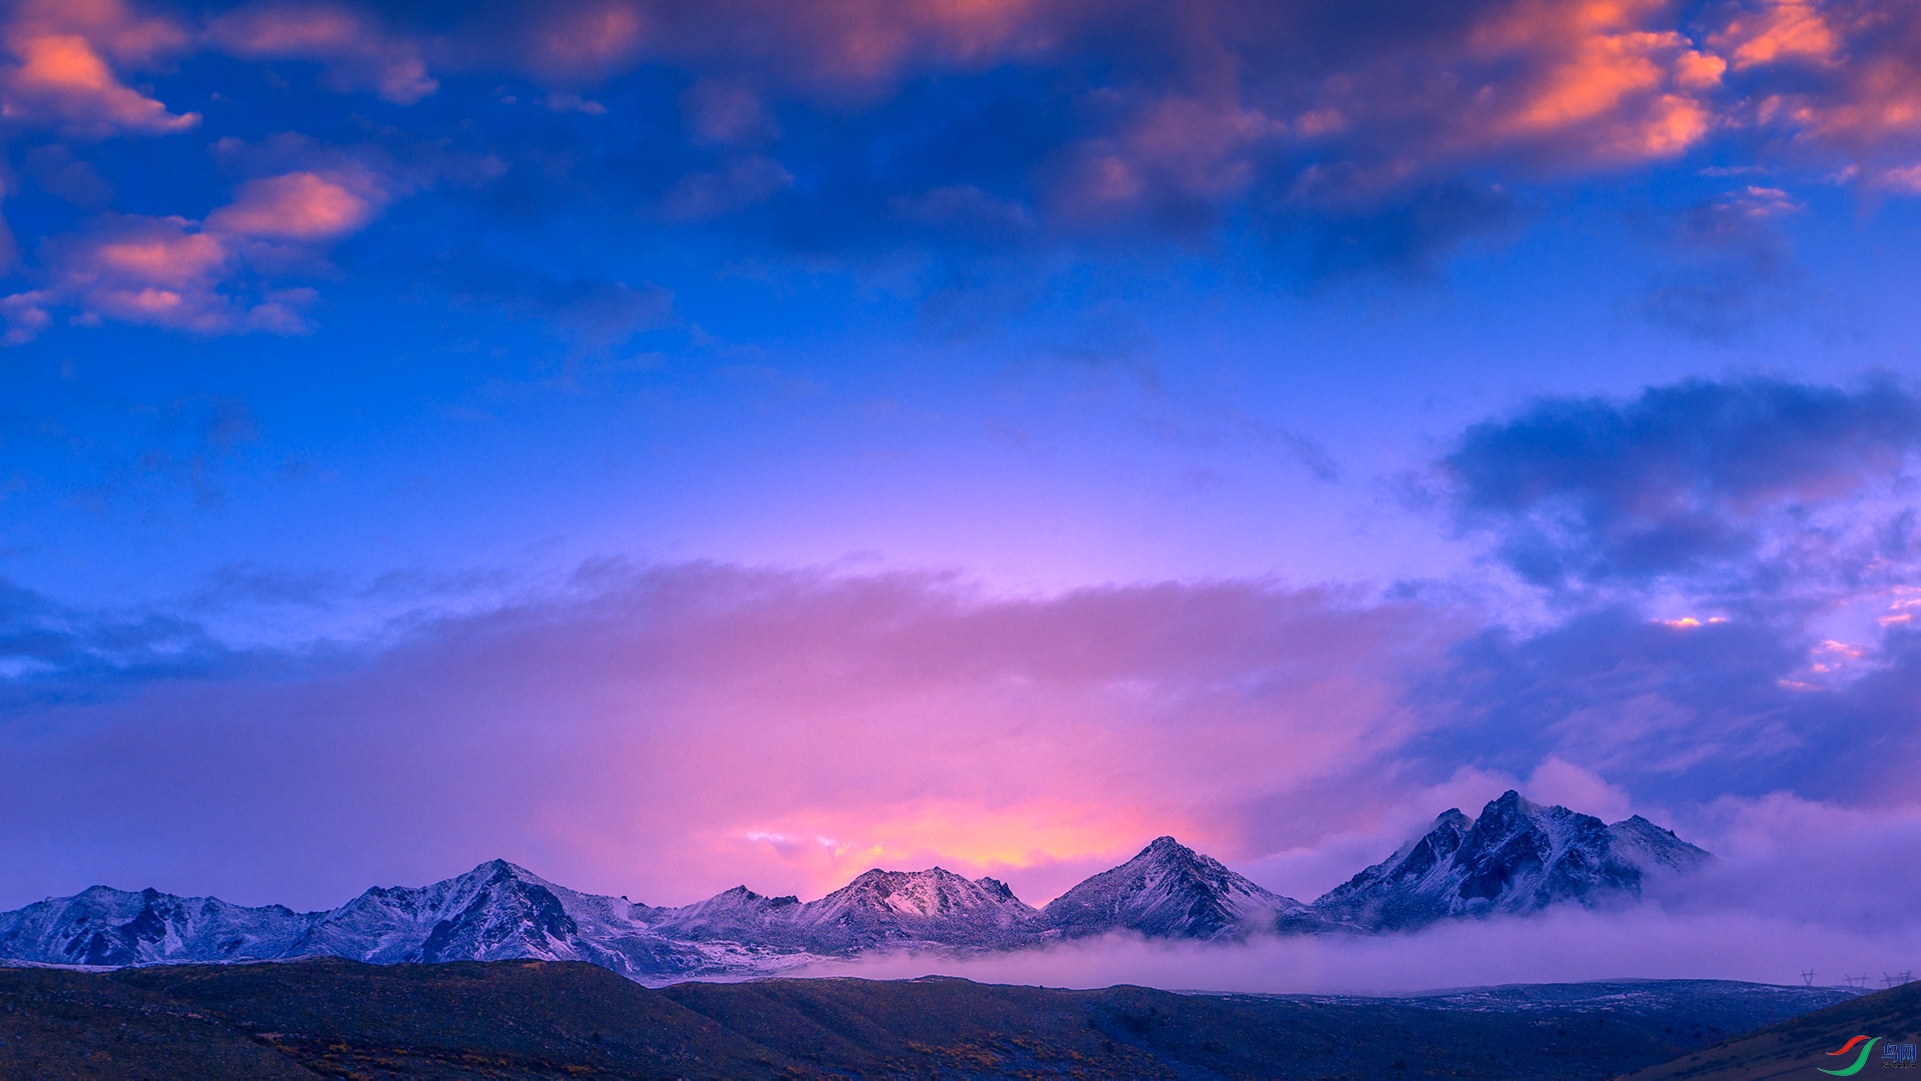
<point>679,446</point>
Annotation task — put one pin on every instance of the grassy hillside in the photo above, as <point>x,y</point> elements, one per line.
<point>341,1019</point>
<point>1795,1048</point>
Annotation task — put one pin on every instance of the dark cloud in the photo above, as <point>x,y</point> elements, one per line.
<point>240,584</point>
<point>1755,484</point>
<point>1322,138</point>
<point>1672,709</point>
<point>593,317</point>
<point>1344,138</point>
<point>53,653</point>
<point>1731,266</point>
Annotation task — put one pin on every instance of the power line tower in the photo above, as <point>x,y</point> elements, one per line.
<point>1859,983</point>
<point>1887,981</point>
<point>1808,977</point>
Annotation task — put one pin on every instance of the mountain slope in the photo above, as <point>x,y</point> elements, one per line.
<point>538,1020</point>
<point>102,926</point>
<point>497,911</point>
<point>1167,891</point>
<point>934,906</point>
<point>1516,858</point>
<point>877,910</point>
<point>1793,1049</point>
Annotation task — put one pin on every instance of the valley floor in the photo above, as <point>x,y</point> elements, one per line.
<point>515,1019</point>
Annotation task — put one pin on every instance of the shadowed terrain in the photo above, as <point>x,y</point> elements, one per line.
<point>1794,1048</point>
<point>528,1019</point>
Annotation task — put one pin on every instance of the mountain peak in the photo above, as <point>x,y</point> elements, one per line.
<point>1507,804</point>
<point>499,868</point>
<point>1517,857</point>
<point>1167,891</point>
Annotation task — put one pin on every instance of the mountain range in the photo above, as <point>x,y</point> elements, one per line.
<point>1516,858</point>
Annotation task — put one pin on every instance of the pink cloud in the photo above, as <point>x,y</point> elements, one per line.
<point>111,25</point>
<point>296,206</point>
<point>59,72</point>
<point>1839,78</point>
<point>584,41</point>
<point>672,733</point>
<point>848,46</point>
<point>200,276</point>
<point>358,52</point>
<point>1799,885</point>
<point>1607,71</point>
<point>1776,31</point>
<point>153,271</point>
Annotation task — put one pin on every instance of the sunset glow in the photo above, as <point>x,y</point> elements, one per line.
<point>671,447</point>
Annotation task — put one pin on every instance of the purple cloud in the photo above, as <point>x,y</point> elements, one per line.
<point>1739,484</point>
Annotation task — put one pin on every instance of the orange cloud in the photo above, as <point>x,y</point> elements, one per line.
<point>1780,31</point>
<point>1839,77</point>
<point>828,846</point>
<point>1608,75</point>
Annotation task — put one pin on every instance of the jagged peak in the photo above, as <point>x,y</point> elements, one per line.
<point>742,895</point>
<point>878,875</point>
<point>99,891</point>
<point>498,870</point>
<point>1507,805</point>
<point>1166,849</point>
<point>996,887</point>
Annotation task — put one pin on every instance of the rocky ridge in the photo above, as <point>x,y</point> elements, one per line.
<point>1516,858</point>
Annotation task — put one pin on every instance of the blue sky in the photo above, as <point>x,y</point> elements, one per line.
<point>663,446</point>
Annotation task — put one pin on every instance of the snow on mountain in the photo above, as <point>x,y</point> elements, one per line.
<point>877,910</point>
<point>494,912</point>
<point>937,907</point>
<point>1516,858</point>
<point>1168,891</point>
<point>736,914</point>
<point>102,926</point>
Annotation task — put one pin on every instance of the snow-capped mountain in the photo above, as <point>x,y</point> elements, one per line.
<point>493,912</point>
<point>1168,891</point>
<point>899,907</point>
<point>102,926</point>
<point>879,909</point>
<point>1516,858</point>
<point>496,911</point>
